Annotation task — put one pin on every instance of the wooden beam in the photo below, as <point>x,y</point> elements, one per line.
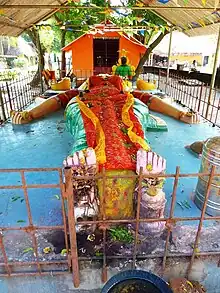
<point>39,6</point>
<point>12,25</point>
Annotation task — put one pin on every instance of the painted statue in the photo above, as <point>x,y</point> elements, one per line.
<point>124,69</point>
<point>109,129</point>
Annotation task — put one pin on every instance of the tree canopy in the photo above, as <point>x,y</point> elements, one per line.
<point>76,22</point>
<point>66,25</point>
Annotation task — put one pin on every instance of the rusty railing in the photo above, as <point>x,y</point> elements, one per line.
<point>69,227</point>
<point>32,229</point>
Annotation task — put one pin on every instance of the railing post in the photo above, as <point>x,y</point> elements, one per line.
<point>2,106</point>
<point>212,84</point>
<point>168,63</point>
<point>159,79</point>
<point>195,247</point>
<point>200,98</point>
<point>103,205</point>
<point>41,81</point>
<point>169,225</point>
<point>72,226</point>
<point>9,95</point>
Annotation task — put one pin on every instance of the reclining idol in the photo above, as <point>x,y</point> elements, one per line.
<point>110,124</point>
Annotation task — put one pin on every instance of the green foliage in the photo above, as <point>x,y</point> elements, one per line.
<point>121,234</point>
<point>47,36</point>
<point>15,198</point>
<point>98,253</point>
<point>26,250</point>
<point>8,75</point>
<point>21,62</point>
<point>13,42</point>
<point>67,25</point>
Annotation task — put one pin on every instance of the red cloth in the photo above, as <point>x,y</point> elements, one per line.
<point>64,98</point>
<point>120,151</point>
<point>144,97</point>
<point>113,80</point>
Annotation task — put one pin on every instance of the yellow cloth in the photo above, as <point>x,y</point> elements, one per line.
<point>127,121</point>
<point>118,195</point>
<point>100,136</point>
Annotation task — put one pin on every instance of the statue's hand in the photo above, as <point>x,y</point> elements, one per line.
<point>20,117</point>
<point>190,118</point>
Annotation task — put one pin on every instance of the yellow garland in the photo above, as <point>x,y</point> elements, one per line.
<point>127,121</point>
<point>100,136</point>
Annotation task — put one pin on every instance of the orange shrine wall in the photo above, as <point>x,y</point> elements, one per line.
<point>82,56</point>
<point>134,51</point>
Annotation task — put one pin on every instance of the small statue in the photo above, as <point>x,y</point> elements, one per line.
<point>153,200</point>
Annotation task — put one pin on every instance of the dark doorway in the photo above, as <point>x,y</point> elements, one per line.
<point>205,60</point>
<point>105,54</point>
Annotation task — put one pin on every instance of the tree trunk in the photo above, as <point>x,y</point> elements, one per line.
<point>145,57</point>
<point>34,34</point>
<point>63,57</point>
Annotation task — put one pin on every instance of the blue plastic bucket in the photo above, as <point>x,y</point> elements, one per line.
<point>146,281</point>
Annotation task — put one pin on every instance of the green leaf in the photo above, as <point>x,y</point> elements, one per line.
<point>127,145</point>
<point>162,28</point>
<point>15,198</point>
<point>124,130</point>
<point>21,221</point>
<point>28,249</point>
<point>64,251</point>
<point>121,234</point>
<point>57,197</point>
<point>99,253</point>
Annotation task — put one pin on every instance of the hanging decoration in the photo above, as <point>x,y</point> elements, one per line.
<point>163,1</point>
<point>147,2</point>
<point>139,3</point>
<point>202,23</point>
<point>107,11</point>
<point>214,17</point>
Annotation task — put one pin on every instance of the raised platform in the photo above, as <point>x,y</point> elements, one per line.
<point>45,143</point>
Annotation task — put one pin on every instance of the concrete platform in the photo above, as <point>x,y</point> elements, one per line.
<point>45,143</point>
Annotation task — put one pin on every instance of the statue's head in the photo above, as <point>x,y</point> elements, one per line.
<point>123,60</point>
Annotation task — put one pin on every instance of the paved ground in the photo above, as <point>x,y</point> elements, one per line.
<point>44,144</point>
<point>56,284</point>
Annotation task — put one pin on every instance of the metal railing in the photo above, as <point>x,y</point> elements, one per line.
<point>17,94</point>
<point>191,93</point>
<point>32,229</point>
<point>187,92</point>
<point>69,227</point>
